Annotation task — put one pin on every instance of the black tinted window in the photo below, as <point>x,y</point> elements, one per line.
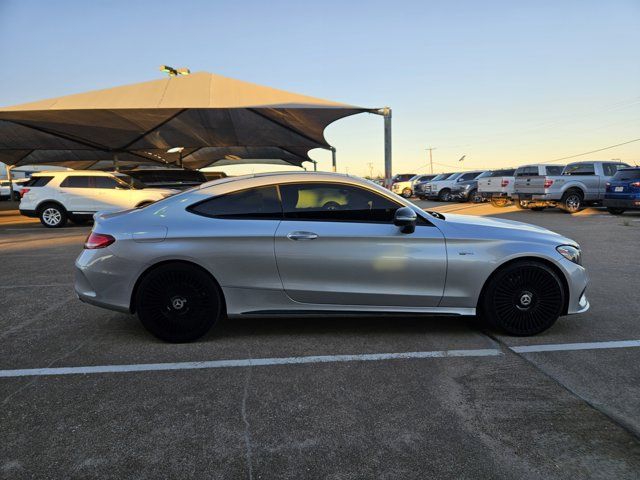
<point>468,176</point>
<point>76,182</point>
<point>335,202</point>
<point>526,171</point>
<point>502,173</point>
<point>105,182</point>
<point>579,169</point>
<point>255,203</point>
<point>38,181</point>
<point>627,174</point>
<point>555,170</point>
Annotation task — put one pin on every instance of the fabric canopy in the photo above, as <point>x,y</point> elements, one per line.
<point>217,121</point>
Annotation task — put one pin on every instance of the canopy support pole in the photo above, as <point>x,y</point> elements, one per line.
<point>386,112</point>
<point>333,159</point>
<point>116,167</point>
<point>9,177</point>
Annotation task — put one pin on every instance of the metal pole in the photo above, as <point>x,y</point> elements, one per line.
<point>11,197</point>
<point>315,166</point>
<point>116,167</point>
<point>430,159</point>
<point>333,159</point>
<point>388,170</point>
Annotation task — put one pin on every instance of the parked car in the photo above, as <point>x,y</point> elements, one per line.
<point>6,189</point>
<point>422,189</point>
<point>442,190</point>
<point>497,187</point>
<point>55,197</point>
<point>407,188</point>
<point>176,178</point>
<point>273,243</point>
<point>623,191</point>
<point>580,184</point>
<point>466,189</point>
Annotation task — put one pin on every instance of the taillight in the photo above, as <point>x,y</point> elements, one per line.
<point>504,183</point>
<point>23,191</point>
<point>635,184</point>
<point>608,184</point>
<point>98,240</point>
<point>547,182</point>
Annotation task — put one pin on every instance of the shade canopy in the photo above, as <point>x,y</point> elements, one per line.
<point>217,120</point>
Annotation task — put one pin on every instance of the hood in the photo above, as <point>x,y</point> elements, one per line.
<point>504,227</point>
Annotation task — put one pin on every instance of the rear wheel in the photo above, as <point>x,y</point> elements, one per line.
<point>521,204</point>
<point>524,298</point>
<point>53,215</point>
<point>571,201</point>
<point>178,302</point>
<point>615,211</point>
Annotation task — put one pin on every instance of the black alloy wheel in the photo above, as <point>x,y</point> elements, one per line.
<point>524,298</point>
<point>178,302</point>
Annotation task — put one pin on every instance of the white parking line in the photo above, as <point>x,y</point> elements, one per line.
<point>564,347</point>
<point>249,362</point>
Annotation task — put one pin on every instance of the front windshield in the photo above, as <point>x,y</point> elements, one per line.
<point>485,175</point>
<point>129,181</point>
<point>453,176</point>
<point>441,176</point>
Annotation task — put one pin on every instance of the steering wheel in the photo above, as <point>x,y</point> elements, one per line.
<point>331,205</point>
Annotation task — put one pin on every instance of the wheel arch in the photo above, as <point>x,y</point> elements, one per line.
<point>574,187</point>
<point>149,269</point>
<point>43,203</point>
<point>531,258</point>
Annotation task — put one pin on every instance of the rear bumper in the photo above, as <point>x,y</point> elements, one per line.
<point>627,203</point>
<point>29,213</point>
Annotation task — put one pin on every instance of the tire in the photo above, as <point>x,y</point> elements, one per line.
<point>444,195</point>
<point>571,201</point>
<point>520,204</point>
<point>499,202</point>
<point>537,209</point>
<point>178,303</point>
<point>524,298</point>
<point>406,193</point>
<point>53,215</point>
<point>615,211</point>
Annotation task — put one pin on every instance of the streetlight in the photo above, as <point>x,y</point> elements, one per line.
<point>174,72</point>
<point>178,150</point>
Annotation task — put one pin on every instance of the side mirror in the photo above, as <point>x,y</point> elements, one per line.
<point>406,219</point>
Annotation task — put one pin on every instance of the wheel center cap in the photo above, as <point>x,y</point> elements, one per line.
<point>526,298</point>
<point>178,303</point>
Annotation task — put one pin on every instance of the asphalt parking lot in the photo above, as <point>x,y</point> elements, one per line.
<point>318,398</point>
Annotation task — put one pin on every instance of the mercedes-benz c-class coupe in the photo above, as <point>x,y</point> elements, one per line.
<point>319,244</point>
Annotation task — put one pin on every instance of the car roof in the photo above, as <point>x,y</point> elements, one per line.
<point>57,173</point>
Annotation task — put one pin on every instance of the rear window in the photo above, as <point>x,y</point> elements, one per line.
<point>502,173</point>
<point>610,169</point>
<point>39,181</point>
<point>627,174</point>
<point>157,176</point>
<point>526,171</point>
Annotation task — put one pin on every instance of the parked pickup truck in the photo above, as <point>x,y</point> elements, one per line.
<point>497,187</point>
<point>580,184</point>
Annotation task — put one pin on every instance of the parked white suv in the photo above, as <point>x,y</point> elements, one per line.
<point>55,197</point>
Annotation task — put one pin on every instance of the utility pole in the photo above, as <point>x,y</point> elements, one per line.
<point>430,149</point>
<point>388,172</point>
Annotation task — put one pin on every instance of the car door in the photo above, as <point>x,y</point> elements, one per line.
<point>77,194</point>
<point>337,244</point>
<point>110,194</point>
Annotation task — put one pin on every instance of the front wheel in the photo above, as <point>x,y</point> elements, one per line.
<point>178,302</point>
<point>444,195</point>
<point>406,193</point>
<point>615,211</point>
<point>524,298</point>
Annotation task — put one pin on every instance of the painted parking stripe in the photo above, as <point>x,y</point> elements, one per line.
<point>563,347</point>
<point>249,362</point>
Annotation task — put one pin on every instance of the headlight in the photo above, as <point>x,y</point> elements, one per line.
<point>570,253</point>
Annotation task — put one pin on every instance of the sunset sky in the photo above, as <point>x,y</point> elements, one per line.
<point>501,82</point>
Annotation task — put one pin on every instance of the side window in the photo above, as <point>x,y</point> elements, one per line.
<point>610,169</point>
<point>580,169</point>
<point>253,203</point>
<point>37,181</point>
<point>525,171</point>
<point>334,202</point>
<point>554,170</point>
<point>78,181</point>
<point>105,182</point>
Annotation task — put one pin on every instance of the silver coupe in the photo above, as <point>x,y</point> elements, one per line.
<point>321,244</point>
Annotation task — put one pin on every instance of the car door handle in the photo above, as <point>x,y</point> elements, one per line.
<point>302,236</point>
